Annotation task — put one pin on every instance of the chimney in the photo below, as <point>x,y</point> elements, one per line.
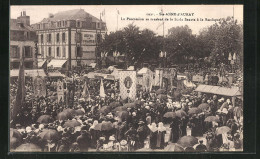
<point>24,19</point>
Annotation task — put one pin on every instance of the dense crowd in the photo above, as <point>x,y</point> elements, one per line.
<point>153,121</point>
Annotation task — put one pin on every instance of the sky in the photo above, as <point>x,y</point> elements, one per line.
<point>197,12</point>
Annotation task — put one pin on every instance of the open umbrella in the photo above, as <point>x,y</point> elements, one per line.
<point>180,113</point>
<point>203,106</point>
<point>122,108</point>
<point>104,126</point>
<point>28,147</point>
<point>211,119</point>
<point>71,111</point>
<point>14,142</point>
<point>79,112</point>
<point>169,115</point>
<point>194,111</point>
<point>178,148</point>
<point>162,96</point>
<point>122,114</point>
<point>45,119</point>
<point>130,105</point>
<point>187,141</point>
<point>105,109</point>
<point>71,123</point>
<point>64,116</point>
<point>160,91</point>
<point>114,104</point>
<point>138,102</point>
<point>50,134</point>
<point>15,133</point>
<point>222,130</point>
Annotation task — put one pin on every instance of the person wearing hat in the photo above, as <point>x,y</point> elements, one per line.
<point>142,132</point>
<point>123,145</point>
<point>84,141</point>
<point>160,144</point>
<point>201,147</point>
<point>153,135</point>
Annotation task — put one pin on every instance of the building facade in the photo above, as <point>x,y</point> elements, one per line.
<point>22,41</point>
<point>68,39</point>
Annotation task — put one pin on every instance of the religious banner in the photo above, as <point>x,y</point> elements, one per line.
<point>39,87</point>
<point>60,91</point>
<point>128,84</point>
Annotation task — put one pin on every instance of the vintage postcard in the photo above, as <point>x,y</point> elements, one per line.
<point>126,78</point>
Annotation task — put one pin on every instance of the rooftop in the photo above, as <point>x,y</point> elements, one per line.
<point>76,14</point>
<point>14,25</point>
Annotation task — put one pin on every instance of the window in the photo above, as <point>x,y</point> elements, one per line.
<point>49,38</point>
<point>27,51</point>
<point>64,52</point>
<point>77,37</point>
<point>58,52</point>
<point>41,38</point>
<point>78,52</point>
<point>58,37</point>
<point>49,51</point>
<point>42,51</point>
<point>65,23</point>
<point>98,25</point>
<point>14,52</point>
<point>63,37</point>
<point>78,23</point>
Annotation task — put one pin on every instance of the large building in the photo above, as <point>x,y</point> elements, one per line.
<point>69,38</point>
<point>22,40</point>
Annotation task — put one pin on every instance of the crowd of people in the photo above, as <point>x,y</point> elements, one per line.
<point>154,121</point>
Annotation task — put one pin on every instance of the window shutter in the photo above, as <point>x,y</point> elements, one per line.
<point>31,51</point>
<point>76,53</point>
<point>81,53</point>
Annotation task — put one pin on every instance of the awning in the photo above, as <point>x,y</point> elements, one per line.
<point>55,74</point>
<point>56,63</point>
<point>233,91</point>
<point>30,73</point>
<point>41,63</point>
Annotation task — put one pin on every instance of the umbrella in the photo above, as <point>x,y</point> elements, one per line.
<point>14,142</point>
<point>15,133</point>
<point>203,106</point>
<point>180,113</point>
<point>104,126</point>
<point>64,116</point>
<point>122,114</point>
<point>211,119</point>
<point>72,123</point>
<point>178,148</point>
<point>79,112</point>
<point>138,102</point>
<point>187,141</point>
<point>120,109</point>
<point>45,119</point>
<point>169,115</point>
<point>194,111</point>
<point>222,130</point>
<point>162,96</point>
<point>50,134</point>
<point>71,111</point>
<point>105,109</point>
<point>115,104</point>
<point>28,147</point>
<point>160,91</point>
<point>177,94</point>
<point>130,105</point>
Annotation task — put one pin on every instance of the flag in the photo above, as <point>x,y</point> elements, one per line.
<point>85,92</point>
<point>159,26</point>
<point>234,56</point>
<point>102,90</point>
<point>20,96</point>
<point>229,57</point>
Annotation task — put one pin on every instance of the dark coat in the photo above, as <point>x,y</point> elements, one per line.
<point>84,142</point>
